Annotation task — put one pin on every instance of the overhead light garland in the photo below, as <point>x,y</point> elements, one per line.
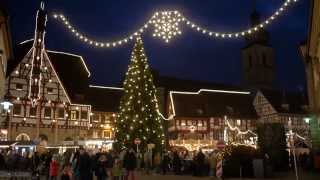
<point>166,25</point>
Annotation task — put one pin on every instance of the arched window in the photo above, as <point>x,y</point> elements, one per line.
<point>23,137</point>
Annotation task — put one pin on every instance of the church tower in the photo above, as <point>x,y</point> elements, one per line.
<point>258,57</point>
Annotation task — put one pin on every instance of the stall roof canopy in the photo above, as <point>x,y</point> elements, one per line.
<point>214,104</point>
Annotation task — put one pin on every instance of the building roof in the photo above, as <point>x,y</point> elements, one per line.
<point>71,69</point>
<point>73,74</point>
<point>296,101</point>
<point>105,99</point>
<point>177,84</point>
<point>209,103</point>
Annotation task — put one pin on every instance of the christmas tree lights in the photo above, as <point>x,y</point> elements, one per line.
<point>138,112</point>
<point>166,25</point>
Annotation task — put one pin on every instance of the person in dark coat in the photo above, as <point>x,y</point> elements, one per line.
<point>200,163</point>
<point>2,162</point>
<point>176,163</point>
<point>66,172</point>
<point>165,163</point>
<point>130,163</point>
<point>101,167</point>
<point>84,165</point>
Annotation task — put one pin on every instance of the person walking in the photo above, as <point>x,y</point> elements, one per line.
<point>200,159</point>
<point>157,162</point>
<point>84,165</point>
<point>66,172</point>
<point>53,169</point>
<point>213,164</point>
<point>130,163</point>
<point>101,168</point>
<point>75,165</point>
<point>116,170</point>
<point>165,162</point>
<point>176,163</point>
<point>2,161</point>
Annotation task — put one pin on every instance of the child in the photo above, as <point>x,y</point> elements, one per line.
<point>117,170</point>
<point>54,168</point>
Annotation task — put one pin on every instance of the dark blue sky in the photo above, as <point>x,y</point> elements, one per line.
<point>189,56</point>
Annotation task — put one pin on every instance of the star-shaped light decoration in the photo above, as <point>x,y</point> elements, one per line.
<point>166,24</point>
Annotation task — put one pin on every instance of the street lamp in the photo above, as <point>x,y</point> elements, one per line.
<point>6,106</point>
<point>307,120</point>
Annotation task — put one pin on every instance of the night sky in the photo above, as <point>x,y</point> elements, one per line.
<point>189,56</point>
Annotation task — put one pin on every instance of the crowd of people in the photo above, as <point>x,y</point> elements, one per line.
<point>84,164</point>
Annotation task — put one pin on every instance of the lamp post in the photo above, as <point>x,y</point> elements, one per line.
<point>6,106</point>
<point>76,135</point>
<point>292,146</point>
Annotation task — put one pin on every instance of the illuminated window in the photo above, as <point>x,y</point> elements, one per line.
<point>238,122</point>
<point>95,134</point>
<point>189,122</point>
<point>107,134</point>
<point>74,115</point>
<point>183,122</point>
<point>17,109</point>
<point>47,112</point>
<point>33,111</point>
<point>19,86</point>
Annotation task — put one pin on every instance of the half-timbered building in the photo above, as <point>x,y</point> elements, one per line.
<point>47,90</point>
<point>200,119</point>
<point>286,108</point>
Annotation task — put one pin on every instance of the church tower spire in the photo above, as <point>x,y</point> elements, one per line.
<point>37,55</point>
<point>255,16</point>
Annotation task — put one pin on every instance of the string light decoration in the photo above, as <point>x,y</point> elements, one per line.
<point>35,77</point>
<point>166,25</point>
<point>252,141</point>
<point>239,132</point>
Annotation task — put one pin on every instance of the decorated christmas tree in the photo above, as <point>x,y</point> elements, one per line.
<point>138,116</point>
